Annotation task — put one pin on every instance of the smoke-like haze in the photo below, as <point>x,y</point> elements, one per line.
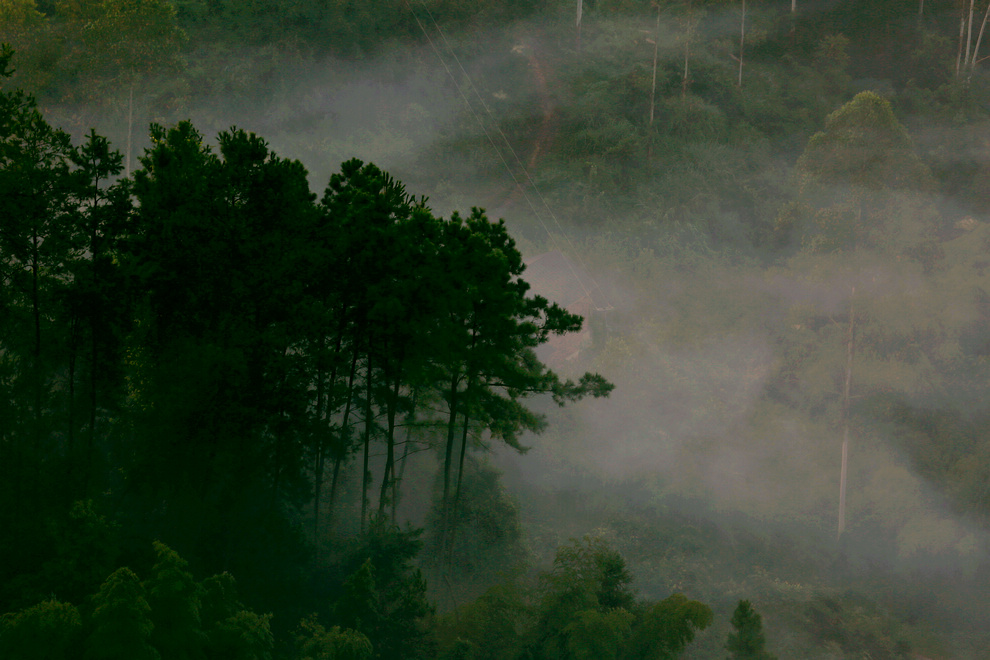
<point>728,371</point>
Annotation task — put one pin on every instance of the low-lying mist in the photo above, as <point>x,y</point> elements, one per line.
<point>715,464</point>
<point>727,414</point>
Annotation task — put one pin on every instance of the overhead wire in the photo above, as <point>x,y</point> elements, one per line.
<point>512,151</point>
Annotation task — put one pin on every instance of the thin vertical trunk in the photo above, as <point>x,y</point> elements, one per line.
<point>319,467</point>
<point>36,376</point>
<point>969,33</point>
<point>401,464</point>
<point>318,493</point>
<point>688,33</point>
<point>334,480</point>
<point>468,390</point>
<point>365,474</point>
<point>580,11</point>
<point>400,471</point>
<point>130,128</point>
<point>392,405</point>
<point>94,349</point>
<point>457,489</point>
<point>323,410</point>
<point>850,347</point>
<point>962,34</point>
<point>448,458</point>
<point>340,455</point>
<point>742,41</point>
<point>687,58</point>
<point>794,6</point>
<point>979,40</point>
<point>91,434</point>
<point>70,453</point>
<point>653,84</point>
<point>280,432</point>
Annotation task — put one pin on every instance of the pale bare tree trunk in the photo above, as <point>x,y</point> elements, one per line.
<point>653,86</point>
<point>842,482</point>
<point>687,51</point>
<point>794,6</point>
<point>580,11</point>
<point>742,40</point>
<point>969,34</point>
<point>845,415</point>
<point>979,39</point>
<point>962,33</point>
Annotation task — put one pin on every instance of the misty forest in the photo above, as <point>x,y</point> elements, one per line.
<point>494,330</point>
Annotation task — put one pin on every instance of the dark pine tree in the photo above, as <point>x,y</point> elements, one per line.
<point>747,642</point>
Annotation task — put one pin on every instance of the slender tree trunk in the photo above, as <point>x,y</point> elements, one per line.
<point>979,40</point>
<point>36,376</point>
<point>319,466</point>
<point>323,411</point>
<point>280,434</point>
<point>365,473</point>
<point>91,431</point>
<point>687,57</point>
<point>401,465</point>
<point>338,461</point>
<point>94,352</point>
<point>400,472</point>
<point>580,11</point>
<point>653,84</point>
<point>70,453</point>
<point>393,404</point>
<point>969,34</point>
<point>962,34</point>
<point>850,347</point>
<point>457,490</point>
<point>130,129</point>
<point>742,41</point>
<point>345,433</point>
<point>448,459</point>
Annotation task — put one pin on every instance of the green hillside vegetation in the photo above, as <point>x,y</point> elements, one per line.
<point>260,398</point>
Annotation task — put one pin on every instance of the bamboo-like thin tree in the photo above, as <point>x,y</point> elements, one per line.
<point>850,351</point>
<point>742,41</point>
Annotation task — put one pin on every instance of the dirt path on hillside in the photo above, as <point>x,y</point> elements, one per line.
<point>544,135</point>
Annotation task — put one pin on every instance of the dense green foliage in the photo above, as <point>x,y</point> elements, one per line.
<point>786,214</point>
<point>209,329</point>
<point>747,641</point>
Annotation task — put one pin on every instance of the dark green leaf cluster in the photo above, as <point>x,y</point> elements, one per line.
<point>384,598</point>
<point>582,609</point>
<point>205,347</point>
<point>169,615</point>
<point>747,640</point>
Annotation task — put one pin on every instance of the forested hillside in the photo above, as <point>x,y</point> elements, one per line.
<point>261,398</point>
